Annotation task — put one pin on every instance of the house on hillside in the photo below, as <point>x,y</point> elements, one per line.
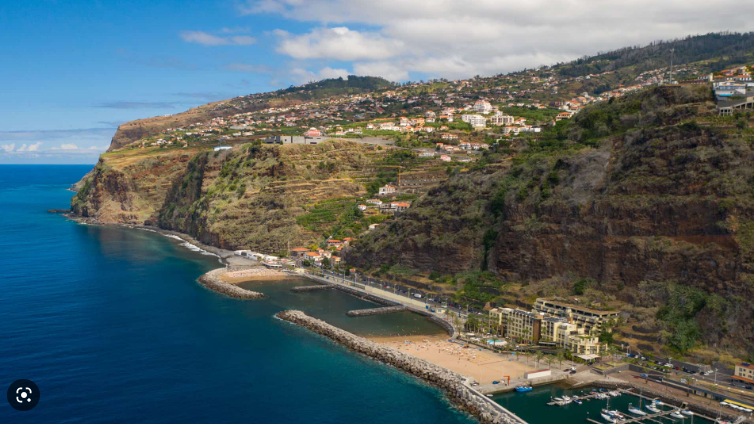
<point>387,190</point>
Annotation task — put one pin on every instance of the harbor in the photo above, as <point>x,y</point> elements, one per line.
<point>596,406</point>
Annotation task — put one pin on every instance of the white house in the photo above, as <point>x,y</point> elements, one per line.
<point>482,106</point>
<point>386,189</point>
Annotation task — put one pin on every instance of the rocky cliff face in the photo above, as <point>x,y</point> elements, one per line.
<point>668,199</point>
<point>247,197</point>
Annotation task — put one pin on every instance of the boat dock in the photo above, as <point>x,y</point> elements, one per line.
<point>648,417</point>
<point>587,397</point>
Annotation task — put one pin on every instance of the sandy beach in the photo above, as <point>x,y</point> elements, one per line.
<point>481,365</point>
<point>253,274</point>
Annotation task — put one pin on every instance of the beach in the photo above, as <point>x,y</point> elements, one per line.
<point>481,365</point>
<point>253,274</point>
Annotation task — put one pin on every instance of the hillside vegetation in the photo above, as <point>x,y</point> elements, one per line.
<point>643,197</point>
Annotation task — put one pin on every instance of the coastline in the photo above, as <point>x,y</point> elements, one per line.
<point>212,280</point>
<point>454,385</point>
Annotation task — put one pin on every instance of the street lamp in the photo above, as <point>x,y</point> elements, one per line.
<point>715,376</point>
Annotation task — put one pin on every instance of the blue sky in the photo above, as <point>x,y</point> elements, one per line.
<point>71,71</point>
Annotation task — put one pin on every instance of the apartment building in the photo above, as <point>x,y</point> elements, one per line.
<point>583,317</point>
<point>744,372</point>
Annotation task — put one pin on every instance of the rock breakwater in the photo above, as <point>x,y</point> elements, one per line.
<point>212,281</point>
<point>464,397</point>
<point>375,311</point>
<point>312,288</point>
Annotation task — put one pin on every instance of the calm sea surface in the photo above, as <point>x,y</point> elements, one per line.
<point>112,327</point>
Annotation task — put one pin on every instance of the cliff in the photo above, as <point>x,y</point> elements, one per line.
<point>648,198</point>
<point>247,197</point>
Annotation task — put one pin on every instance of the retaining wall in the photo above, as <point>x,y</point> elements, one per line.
<point>212,281</point>
<point>464,397</point>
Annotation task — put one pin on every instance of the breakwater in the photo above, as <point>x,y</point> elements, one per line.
<point>212,281</point>
<point>312,288</point>
<point>448,327</point>
<point>463,397</point>
<point>375,311</point>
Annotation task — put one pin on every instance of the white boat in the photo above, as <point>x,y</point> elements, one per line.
<point>652,408</point>
<point>566,398</point>
<point>558,399</point>
<point>636,411</point>
<point>687,412</point>
<point>676,414</point>
<point>614,393</point>
<point>607,418</point>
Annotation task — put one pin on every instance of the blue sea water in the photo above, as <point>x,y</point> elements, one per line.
<point>111,325</point>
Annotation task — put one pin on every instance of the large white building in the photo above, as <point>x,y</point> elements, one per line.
<point>500,119</point>
<point>476,121</point>
<point>482,106</point>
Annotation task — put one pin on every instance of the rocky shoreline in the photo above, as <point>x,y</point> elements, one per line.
<point>212,281</point>
<point>462,396</point>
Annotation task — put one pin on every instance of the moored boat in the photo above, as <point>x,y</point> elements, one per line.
<point>524,389</point>
<point>676,414</point>
<point>636,411</point>
<point>607,418</point>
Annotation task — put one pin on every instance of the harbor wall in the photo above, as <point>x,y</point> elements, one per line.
<point>312,288</point>
<point>387,298</point>
<point>212,281</point>
<point>462,396</point>
<point>375,311</point>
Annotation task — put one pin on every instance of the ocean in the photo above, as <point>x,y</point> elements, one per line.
<point>112,327</point>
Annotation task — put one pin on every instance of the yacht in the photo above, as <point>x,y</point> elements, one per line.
<point>687,412</point>
<point>636,411</point>
<point>676,414</point>
<point>607,418</point>
<point>652,408</point>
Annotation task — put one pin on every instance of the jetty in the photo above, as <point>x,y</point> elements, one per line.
<point>455,386</point>
<point>376,311</point>
<point>648,417</point>
<point>312,288</point>
<point>212,281</point>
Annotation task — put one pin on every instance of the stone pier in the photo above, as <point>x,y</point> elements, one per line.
<point>453,384</point>
<point>312,288</point>
<point>212,281</point>
<point>375,311</point>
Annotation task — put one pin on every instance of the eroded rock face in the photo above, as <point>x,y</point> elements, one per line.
<point>465,398</point>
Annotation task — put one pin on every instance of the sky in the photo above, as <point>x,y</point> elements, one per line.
<point>72,71</point>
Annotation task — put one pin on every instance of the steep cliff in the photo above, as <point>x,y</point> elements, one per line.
<point>247,197</point>
<point>638,197</point>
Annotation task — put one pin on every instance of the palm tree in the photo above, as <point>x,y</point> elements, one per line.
<point>560,357</point>
<point>539,357</point>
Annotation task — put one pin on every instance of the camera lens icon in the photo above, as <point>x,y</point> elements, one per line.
<point>23,395</point>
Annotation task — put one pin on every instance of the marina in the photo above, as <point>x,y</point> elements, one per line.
<point>595,406</point>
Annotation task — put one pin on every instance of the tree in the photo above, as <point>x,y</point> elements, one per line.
<point>580,286</point>
<point>539,356</point>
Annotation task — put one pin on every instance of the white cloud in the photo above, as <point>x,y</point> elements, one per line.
<point>206,39</point>
<point>68,146</point>
<point>30,148</point>
<point>453,38</point>
<point>387,70</point>
<point>337,43</point>
<point>302,75</point>
<point>8,148</point>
